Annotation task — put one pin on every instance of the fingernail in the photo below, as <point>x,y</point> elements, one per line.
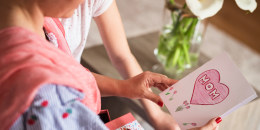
<point>160,103</point>
<point>218,120</point>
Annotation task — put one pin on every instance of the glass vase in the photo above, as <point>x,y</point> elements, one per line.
<point>180,39</point>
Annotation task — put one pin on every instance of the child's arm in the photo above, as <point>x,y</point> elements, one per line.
<point>113,35</point>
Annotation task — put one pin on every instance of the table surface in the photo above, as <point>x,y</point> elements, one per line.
<point>96,59</point>
<point>142,48</point>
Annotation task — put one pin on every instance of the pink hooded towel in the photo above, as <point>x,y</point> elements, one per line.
<point>27,62</point>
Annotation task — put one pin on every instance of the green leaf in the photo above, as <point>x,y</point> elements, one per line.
<point>69,111</point>
<point>180,108</point>
<point>34,117</point>
<point>172,2</point>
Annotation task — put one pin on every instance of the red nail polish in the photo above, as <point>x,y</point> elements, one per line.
<point>44,103</point>
<point>160,103</point>
<point>218,120</point>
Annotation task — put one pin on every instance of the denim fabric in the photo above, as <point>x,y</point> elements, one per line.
<point>58,107</point>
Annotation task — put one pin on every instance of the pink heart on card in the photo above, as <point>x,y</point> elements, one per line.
<point>208,90</point>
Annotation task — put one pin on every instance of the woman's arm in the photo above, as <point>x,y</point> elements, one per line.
<point>114,38</point>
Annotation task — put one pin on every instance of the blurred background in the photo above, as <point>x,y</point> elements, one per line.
<point>232,30</point>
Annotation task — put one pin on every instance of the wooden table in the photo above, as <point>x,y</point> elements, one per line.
<point>142,47</point>
<point>96,59</point>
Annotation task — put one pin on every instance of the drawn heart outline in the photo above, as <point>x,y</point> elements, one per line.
<point>208,90</point>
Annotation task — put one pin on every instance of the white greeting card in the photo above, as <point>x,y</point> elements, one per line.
<point>214,90</point>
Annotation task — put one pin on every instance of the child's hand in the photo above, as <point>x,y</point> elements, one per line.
<point>138,86</point>
<point>211,125</point>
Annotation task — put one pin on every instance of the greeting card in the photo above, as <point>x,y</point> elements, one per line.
<point>214,90</point>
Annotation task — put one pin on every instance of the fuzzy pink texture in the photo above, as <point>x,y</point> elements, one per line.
<point>27,62</point>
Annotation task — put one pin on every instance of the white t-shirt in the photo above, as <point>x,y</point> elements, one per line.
<point>77,27</point>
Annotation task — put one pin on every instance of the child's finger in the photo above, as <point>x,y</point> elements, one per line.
<point>153,97</point>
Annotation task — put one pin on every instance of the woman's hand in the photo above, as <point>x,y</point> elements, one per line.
<point>211,125</point>
<point>138,87</point>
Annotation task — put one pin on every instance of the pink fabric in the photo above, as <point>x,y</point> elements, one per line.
<point>120,121</point>
<point>53,25</point>
<point>28,61</point>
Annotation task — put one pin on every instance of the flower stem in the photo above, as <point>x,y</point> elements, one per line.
<point>176,56</point>
<point>186,53</point>
<point>174,45</point>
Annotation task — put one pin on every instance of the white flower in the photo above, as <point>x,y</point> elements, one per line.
<point>207,8</point>
<point>204,8</point>
<point>247,4</point>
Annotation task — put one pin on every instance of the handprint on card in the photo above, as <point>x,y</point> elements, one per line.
<point>184,106</point>
<point>192,124</point>
<point>171,93</point>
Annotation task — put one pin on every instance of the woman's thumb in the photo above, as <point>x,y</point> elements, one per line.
<point>212,124</point>
<point>153,97</point>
